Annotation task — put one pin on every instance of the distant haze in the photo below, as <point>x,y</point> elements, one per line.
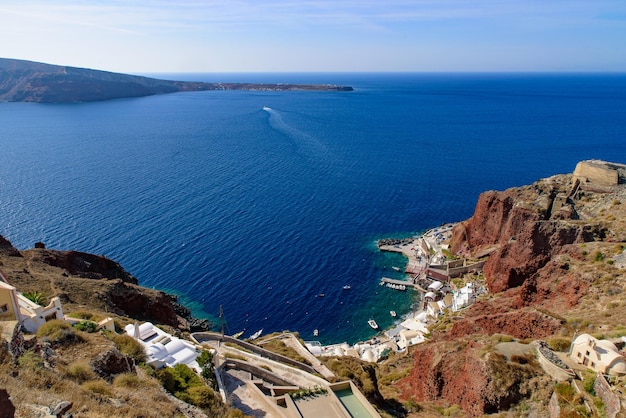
<point>318,35</point>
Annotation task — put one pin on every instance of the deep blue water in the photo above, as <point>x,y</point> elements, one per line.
<point>208,195</point>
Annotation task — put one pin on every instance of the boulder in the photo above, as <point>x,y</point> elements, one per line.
<point>110,363</point>
<point>7,410</point>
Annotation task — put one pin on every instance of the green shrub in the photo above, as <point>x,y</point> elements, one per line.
<point>202,397</point>
<point>204,358</point>
<point>589,380</point>
<point>130,346</point>
<point>86,326</point>
<point>565,391</point>
<point>178,379</point>
<point>597,256</point>
<point>36,297</point>
<point>79,371</point>
<point>58,331</point>
<point>30,360</point>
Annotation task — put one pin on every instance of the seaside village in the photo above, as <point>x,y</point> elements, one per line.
<point>262,382</point>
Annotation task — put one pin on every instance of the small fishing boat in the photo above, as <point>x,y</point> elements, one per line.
<point>256,335</point>
<point>321,295</point>
<point>347,287</point>
<point>372,324</point>
<point>396,268</point>
<point>239,334</point>
<point>393,313</point>
<point>315,332</point>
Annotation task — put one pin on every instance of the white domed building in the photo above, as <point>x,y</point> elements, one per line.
<point>600,355</point>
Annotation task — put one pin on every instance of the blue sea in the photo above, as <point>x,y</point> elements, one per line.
<point>212,197</point>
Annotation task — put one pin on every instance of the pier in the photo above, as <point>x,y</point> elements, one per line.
<point>406,283</point>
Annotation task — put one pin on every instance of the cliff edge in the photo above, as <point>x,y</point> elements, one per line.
<point>96,283</point>
<point>554,266</point>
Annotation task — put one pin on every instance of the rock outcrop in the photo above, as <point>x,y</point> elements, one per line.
<point>600,173</point>
<point>110,363</point>
<point>89,280</point>
<point>522,230</point>
<point>456,372</point>
<point>85,265</point>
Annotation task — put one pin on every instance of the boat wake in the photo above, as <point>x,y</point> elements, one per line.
<point>305,143</point>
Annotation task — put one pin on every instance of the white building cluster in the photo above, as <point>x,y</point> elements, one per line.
<point>162,348</point>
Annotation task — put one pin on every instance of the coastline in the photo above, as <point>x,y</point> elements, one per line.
<point>409,328</point>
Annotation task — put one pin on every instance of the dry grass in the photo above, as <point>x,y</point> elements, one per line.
<point>279,347</point>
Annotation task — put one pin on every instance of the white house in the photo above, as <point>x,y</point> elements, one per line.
<point>16,307</point>
<point>463,297</point>
<point>600,355</point>
<point>162,348</point>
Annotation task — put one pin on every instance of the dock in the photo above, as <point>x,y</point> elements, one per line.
<point>406,283</point>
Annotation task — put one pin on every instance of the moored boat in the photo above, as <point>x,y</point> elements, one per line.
<point>372,324</point>
<point>393,313</point>
<point>256,334</point>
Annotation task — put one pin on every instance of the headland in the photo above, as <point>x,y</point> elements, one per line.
<point>26,81</point>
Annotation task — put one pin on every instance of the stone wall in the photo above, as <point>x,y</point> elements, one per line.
<point>553,406</point>
<point>610,400</point>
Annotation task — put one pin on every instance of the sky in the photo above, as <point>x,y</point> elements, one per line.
<point>143,36</point>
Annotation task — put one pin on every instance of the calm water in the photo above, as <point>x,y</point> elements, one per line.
<point>212,197</point>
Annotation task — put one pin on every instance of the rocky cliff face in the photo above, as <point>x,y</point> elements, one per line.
<point>522,229</point>
<point>83,280</point>
<point>459,373</point>
<point>553,249</point>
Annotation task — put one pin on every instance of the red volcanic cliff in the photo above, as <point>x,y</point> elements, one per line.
<point>522,229</point>
<point>457,372</point>
<point>545,245</point>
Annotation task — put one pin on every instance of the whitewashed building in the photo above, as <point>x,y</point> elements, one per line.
<point>162,348</point>
<point>14,306</point>
<point>600,355</point>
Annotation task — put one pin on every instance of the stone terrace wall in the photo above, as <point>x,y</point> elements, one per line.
<point>610,400</point>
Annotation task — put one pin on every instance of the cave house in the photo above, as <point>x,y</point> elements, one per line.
<point>600,355</point>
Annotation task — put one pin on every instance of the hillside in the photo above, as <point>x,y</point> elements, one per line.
<point>554,269</point>
<point>27,81</point>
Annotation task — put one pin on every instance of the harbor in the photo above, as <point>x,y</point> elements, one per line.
<point>429,272</point>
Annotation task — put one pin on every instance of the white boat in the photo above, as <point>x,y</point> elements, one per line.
<point>373,324</point>
<point>396,268</point>
<point>256,334</point>
<point>315,332</point>
<point>239,334</point>
<point>346,287</point>
<point>266,108</point>
<point>393,313</point>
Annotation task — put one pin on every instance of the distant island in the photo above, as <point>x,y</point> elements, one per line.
<point>28,81</point>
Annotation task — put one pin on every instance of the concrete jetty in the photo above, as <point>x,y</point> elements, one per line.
<point>406,283</point>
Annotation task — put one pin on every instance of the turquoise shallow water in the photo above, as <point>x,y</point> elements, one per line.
<point>210,196</point>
